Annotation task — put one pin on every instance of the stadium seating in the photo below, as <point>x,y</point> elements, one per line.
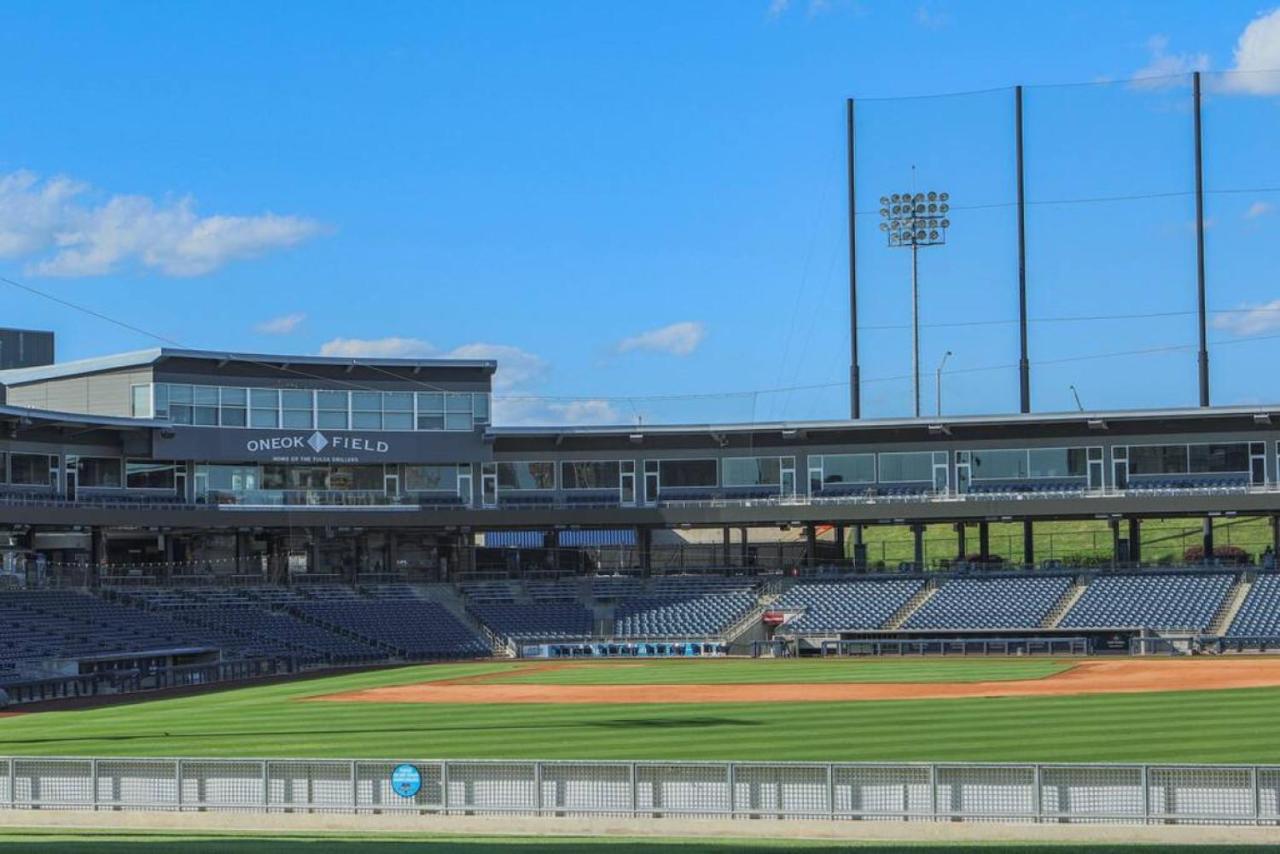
<point>1259,614</point>
<point>410,629</point>
<point>687,615</point>
<point>540,621</point>
<point>1183,601</point>
<point>847,605</point>
<point>1009,602</point>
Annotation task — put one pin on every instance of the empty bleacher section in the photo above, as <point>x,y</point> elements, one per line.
<point>536,621</point>
<point>1158,600</point>
<point>1259,616</point>
<point>1011,602</point>
<point>685,606</point>
<point>831,606</point>
<point>408,629</point>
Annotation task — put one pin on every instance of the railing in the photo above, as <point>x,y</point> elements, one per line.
<point>1058,793</point>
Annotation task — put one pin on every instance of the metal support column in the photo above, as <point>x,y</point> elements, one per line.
<point>1024,364</point>
<point>1028,543</point>
<point>1207,539</point>
<point>984,541</point>
<point>644,541</point>
<point>962,551</point>
<point>1200,298</point>
<point>1135,539</point>
<point>810,545</point>
<point>1115,541</point>
<point>726,545</point>
<point>746,550</point>
<point>917,542</point>
<point>855,393</point>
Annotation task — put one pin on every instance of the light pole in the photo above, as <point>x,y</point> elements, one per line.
<point>915,220</point>
<point>938,381</point>
<point>1076,395</point>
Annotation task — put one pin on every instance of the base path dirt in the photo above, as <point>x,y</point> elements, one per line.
<point>1089,677</point>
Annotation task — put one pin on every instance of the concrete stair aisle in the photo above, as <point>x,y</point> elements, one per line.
<point>900,616</point>
<point>448,597</point>
<point>1231,605</point>
<point>1066,603</point>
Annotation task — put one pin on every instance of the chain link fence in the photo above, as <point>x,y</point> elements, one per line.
<point>862,791</point>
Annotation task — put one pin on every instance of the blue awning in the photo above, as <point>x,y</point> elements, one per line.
<point>568,539</point>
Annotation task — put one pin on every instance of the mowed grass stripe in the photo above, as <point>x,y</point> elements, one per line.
<point>774,671</point>
<point>278,720</point>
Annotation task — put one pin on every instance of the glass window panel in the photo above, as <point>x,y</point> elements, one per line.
<point>457,402</point>
<point>179,394</point>
<point>233,416</point>
<point>332,420</point>
<point>180,413</point>
<point>162,400</point>
<point>602,474</point>
<point>397,401</point>
<point>906,467</point>
<point>332,400</point>
<point>264,418</point>
<point>677,473</point>
<point>999,464</point>
<point>397,421</point>
<point>141,474</point>
<point>297,418</point>
<point>97,471</point>
<point>457,421</point>
<point>364,478</point>
<point>848,468</point>
<point>431,478</point>
<point>307,477</point>
<point>275,477</point>
<point>430,401</point>
<point>293,398</point>
<point>140,401</point>
<point>205,416</point>
<point>1058,462</point>
<point>1219,458</point>
<point>264,398</point>
<point>1158,459</point>
<point>205,395</point>
<point>366,420</point>
<point>29,469</point>
<point>751,471</point>
<point>430,422</point>
<point>366,401</point>
<point>534,475</point>
<point>480,407</point>
<point>235,397</point>
<point>230,478</point>
<point>4,467</point>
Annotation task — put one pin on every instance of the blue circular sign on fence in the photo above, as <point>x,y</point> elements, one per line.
<point>406,780</point>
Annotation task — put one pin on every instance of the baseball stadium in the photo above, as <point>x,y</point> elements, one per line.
<point>391,596</point>
<point>261,583</point>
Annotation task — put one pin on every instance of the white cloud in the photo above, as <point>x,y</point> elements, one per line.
<point>516,367</point>
<point>282,325</point>
<point>59,232</point>
<point>1257,51</point>
<point>533,411</point>
<point>778,7</point>
<point>931,19</point>
<point>377,348</point>
<point>1164,70</point>
<point>1250,320</point>
<point>678,339</point>
<point>1258,209</point>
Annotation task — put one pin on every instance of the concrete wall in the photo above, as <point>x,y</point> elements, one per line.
<point>106,393</point>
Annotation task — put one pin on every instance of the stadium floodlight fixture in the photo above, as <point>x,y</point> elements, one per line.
<point>914,220</point>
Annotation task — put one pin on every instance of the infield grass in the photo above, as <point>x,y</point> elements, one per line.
<point>275,721</point>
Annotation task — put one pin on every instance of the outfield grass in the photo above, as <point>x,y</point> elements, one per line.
<point>112,842</point>
<point>272,721</point>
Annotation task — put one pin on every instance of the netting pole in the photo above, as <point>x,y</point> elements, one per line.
<point>1204,347</point>
<point>1024,364</point>
<point>855,396</point>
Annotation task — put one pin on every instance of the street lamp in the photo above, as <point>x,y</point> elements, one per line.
<point>938,381</point>
<point>914,220</point>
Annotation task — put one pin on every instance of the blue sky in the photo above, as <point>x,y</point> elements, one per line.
<point>625,202</point>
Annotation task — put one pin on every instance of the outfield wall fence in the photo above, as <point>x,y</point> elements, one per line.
<point>1055,793</point>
